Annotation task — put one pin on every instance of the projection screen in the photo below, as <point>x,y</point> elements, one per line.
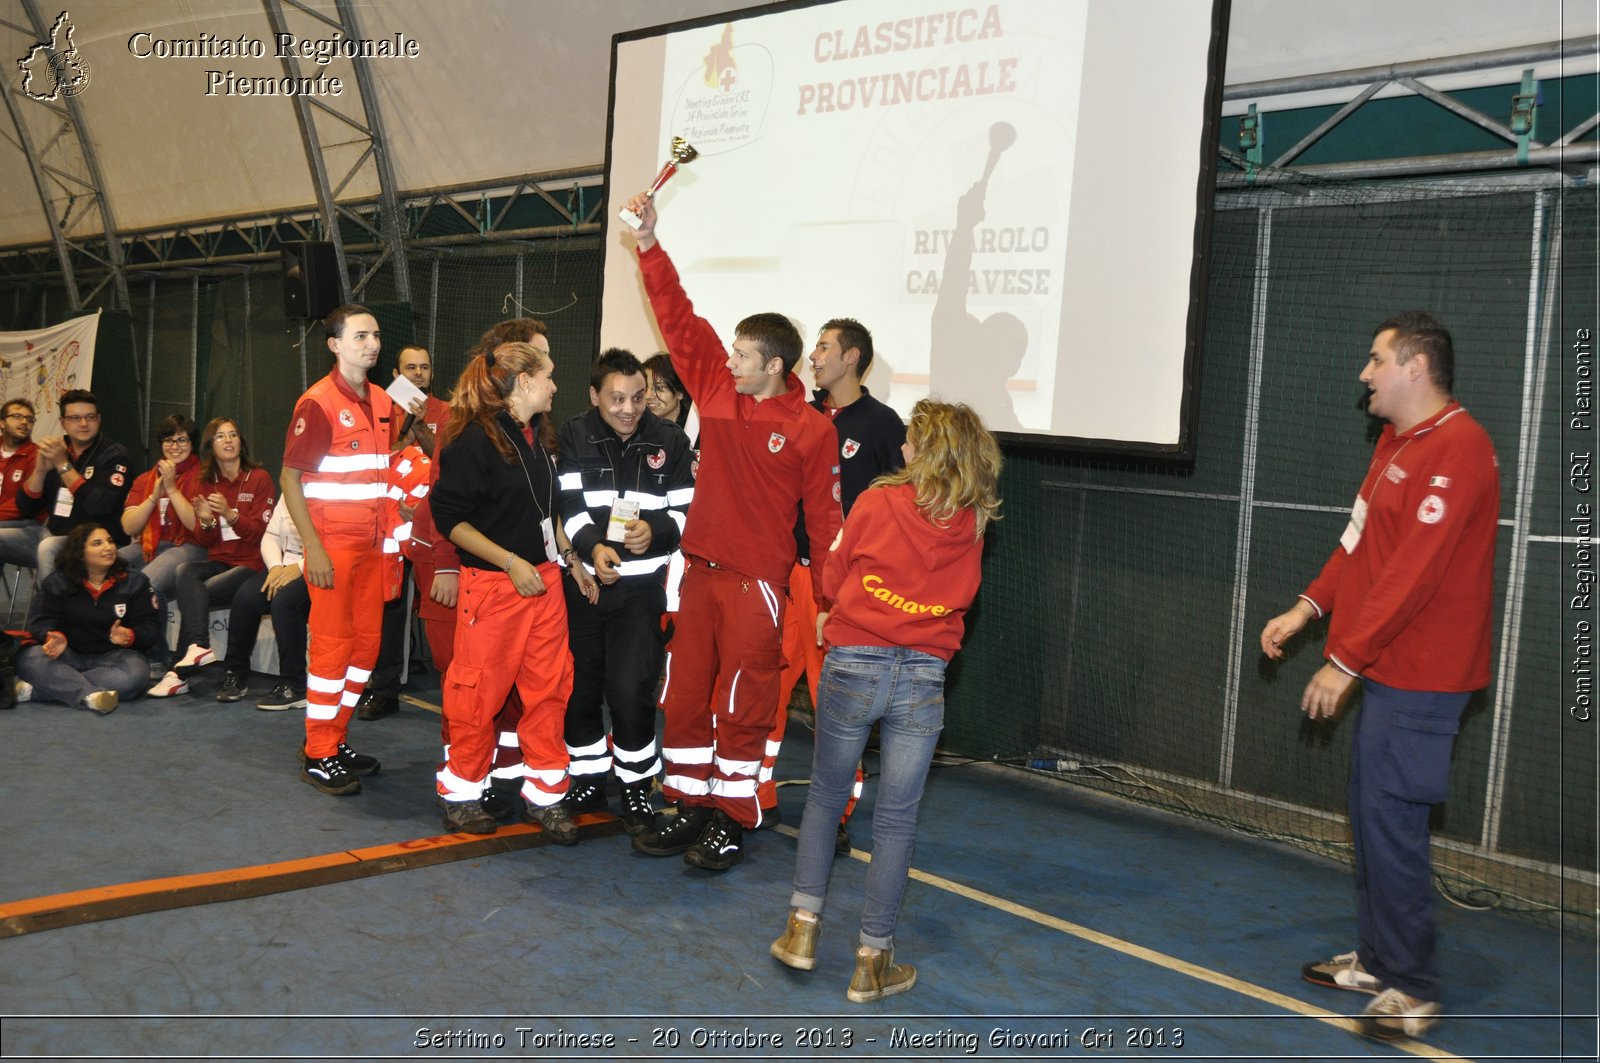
<point>1013,197</point>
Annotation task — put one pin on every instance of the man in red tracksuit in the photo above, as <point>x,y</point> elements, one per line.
<point>335,484</point>
<point>1410,589</point>
<point>764,451</point>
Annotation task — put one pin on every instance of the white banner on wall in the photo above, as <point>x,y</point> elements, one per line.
<point>44,364</point>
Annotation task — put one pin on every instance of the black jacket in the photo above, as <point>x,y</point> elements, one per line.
<point>107,472</point>
<point>61,605</point>
<point>870,435</point>
<point>505,501</point>
<point>654,467</point>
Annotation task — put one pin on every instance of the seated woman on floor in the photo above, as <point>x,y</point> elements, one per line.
<point>233,503</point>
<point>159,515</point>
<point>93,619</point>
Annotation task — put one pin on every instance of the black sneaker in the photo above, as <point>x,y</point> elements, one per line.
<point>376,706</point>
<point>503,803</point>
<point>586,797</point>
<point>467,817</point>
<point>233,688</point>
<point>637,814</point>
<point>357,763</point>
<point>282,696</point>
<point>720,847</point>
<point>681,831</point>
<point>329,775</point>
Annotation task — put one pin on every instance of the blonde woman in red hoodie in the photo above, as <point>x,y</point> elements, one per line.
<point>901,576</point>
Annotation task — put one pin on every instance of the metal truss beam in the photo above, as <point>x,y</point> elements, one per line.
<point>93,185</point>
<point>1522,151</point>
<point>58,238</point>
<point>386,223</point>
<point>314,157</point>
<point>527,207</point>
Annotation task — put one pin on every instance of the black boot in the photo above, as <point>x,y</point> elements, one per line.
<point>680,832</point>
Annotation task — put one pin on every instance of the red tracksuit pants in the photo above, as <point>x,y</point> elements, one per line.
<point>721,686</point>
<point>346,629</point>
<point>506,641</point>
<point>801,657</point>
<point>440,624</point>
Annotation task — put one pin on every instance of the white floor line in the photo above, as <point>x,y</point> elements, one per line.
<point>1160,959</point>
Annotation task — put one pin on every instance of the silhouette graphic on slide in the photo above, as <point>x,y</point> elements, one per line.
<point>971,361</point>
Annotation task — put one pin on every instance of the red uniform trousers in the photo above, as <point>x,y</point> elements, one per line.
<point>721,685</point>
<point>440,624</point>
<point>346,629</point>
<point>801,656</point>
<point>506,641</point>
<point>438,621</point>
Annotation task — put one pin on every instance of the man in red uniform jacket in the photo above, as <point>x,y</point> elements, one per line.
<point>418,425</point>
<point>763,451</point>
<point>1410,591</point>
<point>335,485</point>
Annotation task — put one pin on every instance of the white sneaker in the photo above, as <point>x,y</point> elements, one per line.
<point>1392,1014</point>
<point>1342,972</point>
<point>171,684</point>
<point>24,691</point>
<point>197,657</point>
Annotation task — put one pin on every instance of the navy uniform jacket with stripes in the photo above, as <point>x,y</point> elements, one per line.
<point>654,468</point>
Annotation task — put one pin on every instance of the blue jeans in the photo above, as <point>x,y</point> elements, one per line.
<point>19,542</point>
<point>1399,769</point>
<point>861,685</point>
<point>73,675</point>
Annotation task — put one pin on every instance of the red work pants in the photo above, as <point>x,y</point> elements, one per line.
<point>721,685</point>
<point>801,657</point>
<point>506,641</point>
<point>439,622</point>
<point>346,631</point>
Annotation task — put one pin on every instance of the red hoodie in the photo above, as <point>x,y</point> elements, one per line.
<point>898,579</point>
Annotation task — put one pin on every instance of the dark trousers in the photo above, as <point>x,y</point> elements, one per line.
<point>386,673</point>
<point>201,585</point>
<point>617,651</point>
<point>1399,769</point>
<point>291,617</point>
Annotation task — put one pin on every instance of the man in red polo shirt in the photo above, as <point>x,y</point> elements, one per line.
<point>19,536</point>
<point>763,451</point>
<point>335,469</point>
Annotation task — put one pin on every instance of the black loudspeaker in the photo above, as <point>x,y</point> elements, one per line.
<point>310,279</point>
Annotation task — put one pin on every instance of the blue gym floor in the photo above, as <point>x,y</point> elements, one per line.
<point>1038,910</point>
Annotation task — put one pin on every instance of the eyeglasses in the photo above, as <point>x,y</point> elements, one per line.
<point>177,441</point>
<point>30,418</point>
<point>81,418</point>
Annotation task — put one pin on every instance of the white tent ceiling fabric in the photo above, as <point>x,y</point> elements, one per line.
<point>503,88</point>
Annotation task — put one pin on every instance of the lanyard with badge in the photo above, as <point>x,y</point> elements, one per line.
<point>546,525</point>
<point>1358,511</point>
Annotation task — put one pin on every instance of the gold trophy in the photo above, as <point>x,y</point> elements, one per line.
<point>682,152</point>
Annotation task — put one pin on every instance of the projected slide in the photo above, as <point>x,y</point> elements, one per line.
<point>1005,194</point>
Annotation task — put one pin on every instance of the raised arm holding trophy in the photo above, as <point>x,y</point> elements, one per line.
<point>682,152</point>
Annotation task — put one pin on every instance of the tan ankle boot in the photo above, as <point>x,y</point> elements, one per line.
<point>798,945</point>
<point>878,976</point>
